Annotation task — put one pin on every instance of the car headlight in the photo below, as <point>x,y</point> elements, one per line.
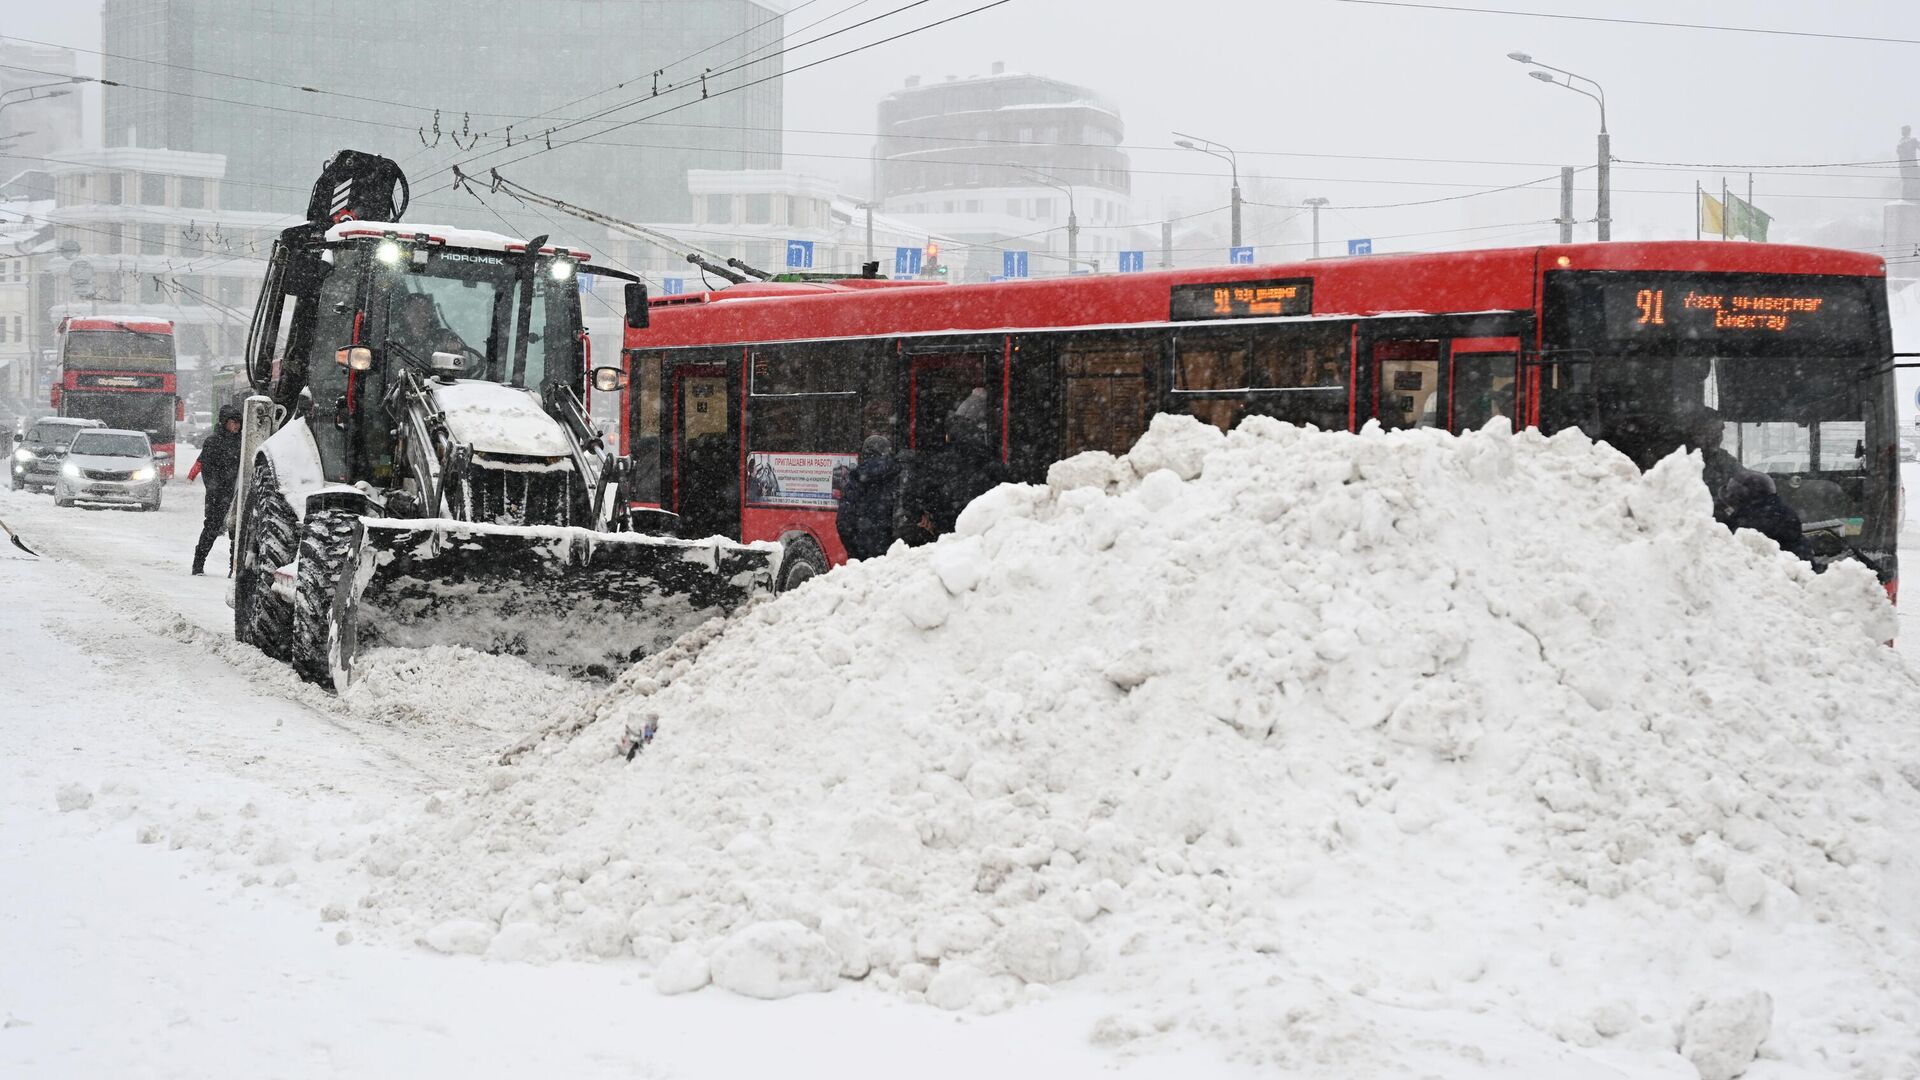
<point>70,471</point>
<point>23,454</point>
<point>142,474</point>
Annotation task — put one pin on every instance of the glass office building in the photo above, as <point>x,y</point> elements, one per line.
<point>221,77</point>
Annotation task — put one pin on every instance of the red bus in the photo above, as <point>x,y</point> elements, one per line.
<point>741,403</point>
<point>122,373</point>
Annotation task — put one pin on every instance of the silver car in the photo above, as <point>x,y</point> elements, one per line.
<point>38,452</point>
<point>109,465</point>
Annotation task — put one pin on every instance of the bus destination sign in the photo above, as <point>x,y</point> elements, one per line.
<point>1664,306</point>
<point>1243,299</point>
<point>92,380</point>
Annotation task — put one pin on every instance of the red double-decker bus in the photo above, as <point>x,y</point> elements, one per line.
<point>741,403</point>
<point>122,373</point>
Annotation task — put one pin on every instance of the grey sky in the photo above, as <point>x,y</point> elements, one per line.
<point>1319,77</point>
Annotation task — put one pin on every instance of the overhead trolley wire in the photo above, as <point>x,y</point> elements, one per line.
<point>751,82</point>
<point>1656,23</point>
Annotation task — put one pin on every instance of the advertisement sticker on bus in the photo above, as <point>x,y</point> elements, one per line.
<point>795,479</point>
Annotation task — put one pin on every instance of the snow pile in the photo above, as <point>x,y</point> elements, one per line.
<point>452,689</point>
<point>1341,752</point>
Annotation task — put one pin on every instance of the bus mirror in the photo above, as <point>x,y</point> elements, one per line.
<point>607,380</point>
<point>637,310</point>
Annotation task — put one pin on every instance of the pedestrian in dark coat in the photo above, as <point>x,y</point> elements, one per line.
<point>1753,502</point>
<point>867,499</point>
<point>941,482</point>
<point>219,469</point>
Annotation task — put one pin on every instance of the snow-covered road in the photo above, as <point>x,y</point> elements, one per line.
<point>126,954</point>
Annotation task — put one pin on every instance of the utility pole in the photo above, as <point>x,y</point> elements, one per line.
<point>1073,235</point>
<point>1314,204</point>
<point>1566,204</point>
<point>1606,177</point>
<point>1166,245</point>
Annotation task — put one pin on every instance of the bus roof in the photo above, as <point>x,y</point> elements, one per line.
<point>138,326</point>
<point>1463,281</point>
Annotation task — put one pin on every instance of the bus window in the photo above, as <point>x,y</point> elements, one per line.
<point>1408,387</point>
<point>1106,391</point>
<point>1298,373</point>
<point>937,382</point>
<point>803,423</point>
<point>1292,372</point>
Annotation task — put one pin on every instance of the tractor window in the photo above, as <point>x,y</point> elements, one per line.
<point>467,303</point>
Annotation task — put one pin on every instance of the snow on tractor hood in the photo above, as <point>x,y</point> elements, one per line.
<point>496,419</point>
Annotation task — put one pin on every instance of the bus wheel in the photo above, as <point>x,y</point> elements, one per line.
<point>268,533</point>
<point>804,560</point>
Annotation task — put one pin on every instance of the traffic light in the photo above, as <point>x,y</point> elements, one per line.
<point>930,265</point>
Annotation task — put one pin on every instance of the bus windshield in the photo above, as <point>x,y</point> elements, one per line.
<point>1782,374</point>
<point>119,350</point>
<point>467,303</point>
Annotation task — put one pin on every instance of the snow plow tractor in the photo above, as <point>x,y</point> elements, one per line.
<point>432,476</point>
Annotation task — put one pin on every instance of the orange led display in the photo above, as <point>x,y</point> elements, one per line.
<point>1243,299</point>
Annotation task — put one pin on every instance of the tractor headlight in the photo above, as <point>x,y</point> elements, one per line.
<point>70,471</point>
<point>142,475</point>
<point>389,252</point>
<point>562,269</point>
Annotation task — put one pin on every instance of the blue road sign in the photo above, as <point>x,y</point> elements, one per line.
<point>906,262</point>
<point>1013,264</point>
<point>1240,256</point>
<point>1132,261</point>
<point>673,286</point>
<point>799,254</point>
<point>1363,246</point>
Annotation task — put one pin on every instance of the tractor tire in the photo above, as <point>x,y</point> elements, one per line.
<point>269,532</point>
<point>324,545</point>
<point>802,562</point>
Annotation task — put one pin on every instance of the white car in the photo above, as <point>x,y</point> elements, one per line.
<point>109,465</point>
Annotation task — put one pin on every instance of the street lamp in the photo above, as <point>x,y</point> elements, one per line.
<point>1194,142</point>
<point>1073,218</point>
<point>1315,204</point>
<point>1604,218</point>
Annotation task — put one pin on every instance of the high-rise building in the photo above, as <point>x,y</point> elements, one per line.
<point>986,158</point>
<point>214,76</point>
<point>39,115</point>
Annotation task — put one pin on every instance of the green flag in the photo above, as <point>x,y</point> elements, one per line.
<point>1746,219</point>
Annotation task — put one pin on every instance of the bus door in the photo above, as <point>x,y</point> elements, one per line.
<point>939,379</point>
<point>705,455</point>
<point>1449,373</point>
<point>1482,376</point>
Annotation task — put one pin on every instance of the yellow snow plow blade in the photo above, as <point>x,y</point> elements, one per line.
<point>567,599</point>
